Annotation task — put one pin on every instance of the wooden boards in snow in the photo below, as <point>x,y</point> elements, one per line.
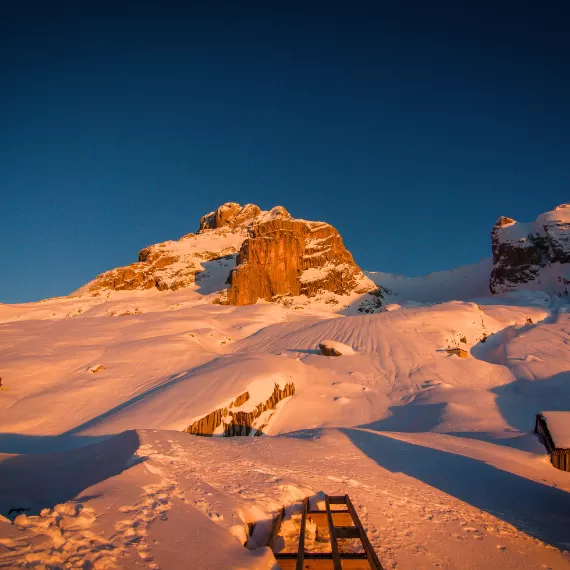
<point>340,524</point>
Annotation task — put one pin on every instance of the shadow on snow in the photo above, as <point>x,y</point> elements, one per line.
<point>538,510</point>
<point>36,481</point>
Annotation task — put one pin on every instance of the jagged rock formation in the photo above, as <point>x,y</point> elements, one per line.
<point>229,215</point>
<point>278,256</point>
<point>284,256</point>
<point>236,422</point>
<point>533,255</point>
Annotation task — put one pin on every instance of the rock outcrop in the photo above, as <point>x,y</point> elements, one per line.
<point>230,421</point>
<point>230,215</point>
<point>534,255</point>
<point>283,256</point>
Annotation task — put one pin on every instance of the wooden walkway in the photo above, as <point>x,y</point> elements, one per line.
<point>341,524</point>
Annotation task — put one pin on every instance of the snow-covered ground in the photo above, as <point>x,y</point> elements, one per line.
<point>436,451</point>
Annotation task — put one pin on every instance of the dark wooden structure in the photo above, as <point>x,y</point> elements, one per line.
<point>341,524</point>
<point>559,456</point>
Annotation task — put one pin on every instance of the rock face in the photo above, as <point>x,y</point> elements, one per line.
<point>230,421</point>
<point>284,256</point>
<point>534,255</point>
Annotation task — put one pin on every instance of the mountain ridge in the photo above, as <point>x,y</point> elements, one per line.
<point>272,256</point>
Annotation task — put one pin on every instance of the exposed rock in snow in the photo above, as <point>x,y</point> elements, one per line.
<point>458,352</point>
<point>334,348</point>
<point>284,256</point>
<point>534,255</point>
<point>172,265</point>
<point>237,419</point>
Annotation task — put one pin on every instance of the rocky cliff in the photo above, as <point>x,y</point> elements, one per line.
<point>283,256</point>
<point>532,255</point>
<point>278,256</point>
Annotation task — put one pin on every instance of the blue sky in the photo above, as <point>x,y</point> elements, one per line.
<point>410,126</point>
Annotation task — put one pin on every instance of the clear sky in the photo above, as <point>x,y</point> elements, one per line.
<point>410,126</point>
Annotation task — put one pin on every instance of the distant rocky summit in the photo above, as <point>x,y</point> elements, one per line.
<point>278,256</point>
<point>244,254</point>
<point>532,255</point>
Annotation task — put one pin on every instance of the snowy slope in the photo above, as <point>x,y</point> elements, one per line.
<point>435,450</point>
<point>400,402</point>
<point>184,502</point>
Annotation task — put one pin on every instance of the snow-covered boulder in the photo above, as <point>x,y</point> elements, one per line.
<point>334,348</point>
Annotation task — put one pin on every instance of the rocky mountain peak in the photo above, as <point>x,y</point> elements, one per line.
<point>504,221</point>
<point>232,214</point>
<point>278,256</point>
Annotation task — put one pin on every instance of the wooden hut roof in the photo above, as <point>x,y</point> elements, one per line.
<point>559,427</point>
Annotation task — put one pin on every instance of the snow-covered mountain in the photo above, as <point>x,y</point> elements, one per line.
<point>103,390</point>
<point>533,255</point>
<point>245,254</point>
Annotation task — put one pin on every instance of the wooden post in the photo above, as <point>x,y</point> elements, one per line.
<point>334,543</point>
<point>301,549</point>
<point>275,527</point>
<point>370,554</point>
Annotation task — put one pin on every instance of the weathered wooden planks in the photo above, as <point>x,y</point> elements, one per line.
<point>322,563</point>
<point>334,542</point>
<point>340,518</point>
<point>370,554</point>
<point>342,524</point>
